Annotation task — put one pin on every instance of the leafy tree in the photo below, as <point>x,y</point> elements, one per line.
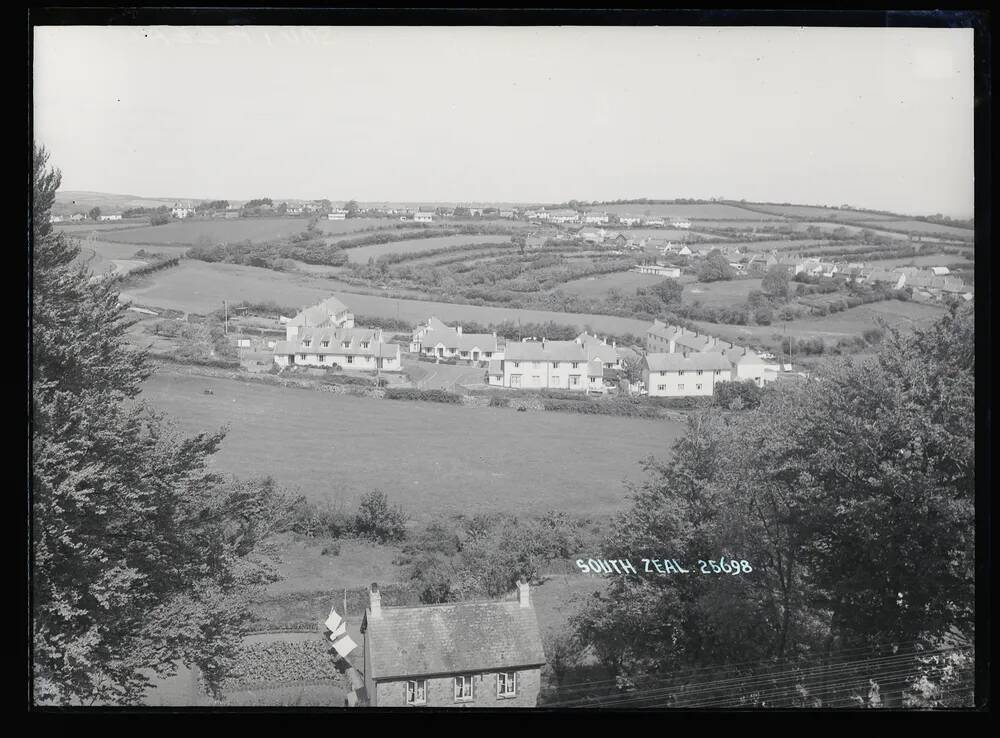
<point>94,213</point>
<point>715,267</point>
<point>378,520</point>
<point>669,291</point>
<point>352,208</point>
<point>142,556</point>
<point>775,282</point>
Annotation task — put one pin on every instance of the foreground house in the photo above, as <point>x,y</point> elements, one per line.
<point>360,349</point>
<point>462,654</point>
<point>440,340</point>
<point>685,374</point>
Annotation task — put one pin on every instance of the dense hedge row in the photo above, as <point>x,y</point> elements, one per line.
<point>400,393</point>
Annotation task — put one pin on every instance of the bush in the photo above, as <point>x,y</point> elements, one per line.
<point>499,402</point>
<point>378,521</point>
<point>332,549</point>
<point>738,395</point>
<point>400,393</point>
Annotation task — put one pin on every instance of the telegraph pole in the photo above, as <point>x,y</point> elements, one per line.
<point>225,304</point>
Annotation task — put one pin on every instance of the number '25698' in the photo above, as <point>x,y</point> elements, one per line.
<point>725,566</point>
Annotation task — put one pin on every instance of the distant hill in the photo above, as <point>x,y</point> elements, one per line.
<point>79,201</point>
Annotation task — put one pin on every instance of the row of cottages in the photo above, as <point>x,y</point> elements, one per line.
<point>658,270</point>
<point>437,339</point>
<point>325,335</point>
<point>459,654</point>
<point>111,216</point>
<point>926,283</point>
<point>573,365</point>
<point>691,349</point>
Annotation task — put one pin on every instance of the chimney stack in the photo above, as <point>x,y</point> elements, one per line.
<point>459,329</point>
<point>375,601</point>
<point>523,594</point>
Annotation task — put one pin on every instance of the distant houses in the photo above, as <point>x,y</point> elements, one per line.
<point>682,223</point>
<point>423,217</point>
<point>658,270</point>
<point>111,216</point>
<point>337,215</point>
<point>181,211</point>
<point>439,340</point>
<point>576,365</point>
<point>596,218</point>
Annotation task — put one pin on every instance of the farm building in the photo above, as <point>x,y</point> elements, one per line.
<point>658,270</point>
<point>337,215</point>
<point>437,339</point>
<point>423,217</point>
<point>330,313</point>
<point>456,654</point>
<point>349,348</point>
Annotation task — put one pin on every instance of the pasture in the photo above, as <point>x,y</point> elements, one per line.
<point>701,211</point>
<point>85,228</point>
<point>921,227</point>
<point>362,254</point>
<point>200,287</point>
<point>190,232</point>
<point>816,211</point>
<point>431,459</point>
<point>599,285</point>
<point>721,293</point>
<point>847,323</point>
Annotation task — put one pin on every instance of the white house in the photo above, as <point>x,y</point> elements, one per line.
<point>628,220</point>
<point>437,339</point>
<point>293,210</point>
<point>423,217</point>
<point>596,218</point>
<point>337,215</point>
<point>551,365</point>
<point>684,251</point>
<point>682,223</point>
<point>685,374</point>
<point>179,211</point>
<point>940,271</point>
<point>56,219</point>
<point>599,348</point>
<point>77,216</point>
<point>330,313</point>
<point>563,216</point>
<point>349,348</point>
<point>116,216</point>
<point>654,221</point>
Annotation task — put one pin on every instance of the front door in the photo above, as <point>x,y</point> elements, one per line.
<point>515,380</point>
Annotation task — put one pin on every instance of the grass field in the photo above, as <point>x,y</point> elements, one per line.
<point>200,287</point>
<point>725,292</point>
<point>217,231</point>
<point>702,211</point>
<point>851,322</point>
<point>599,285</point>
<point>431,459</point>
<point>815,211</point>
<point>87,227</point>
<point>919,226</point>
<point>362,254</point>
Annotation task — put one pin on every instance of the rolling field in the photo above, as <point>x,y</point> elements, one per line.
<point>86,228</point>
<point>725,292</point>
<point>362,254</point>
<point>337,227</point>
<point>217,231</point>
<point>919,227</point>
<point>701,211</point>
<point>599,285</point>
<point>815,211</point>
<point>200,287</point>
<point>431,459</point>
<point>850,322</point>
<point>805,243</point>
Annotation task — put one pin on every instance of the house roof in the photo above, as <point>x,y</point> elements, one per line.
<point>705,360</point>
<point>452,339</point>
<point>320,313</point>
<point>335,338</point>
<point>452,638</point>
<point>597,348</point>
<point>545,351</point>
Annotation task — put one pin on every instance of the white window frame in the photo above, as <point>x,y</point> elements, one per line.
<point>350,359</point>
<point>460,684</point>
<point>412,691</point>
<point>680,386</point>
<point>506,685</point>
<point>661,387</point>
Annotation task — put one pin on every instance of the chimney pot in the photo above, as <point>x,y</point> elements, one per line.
<point>375,601</point>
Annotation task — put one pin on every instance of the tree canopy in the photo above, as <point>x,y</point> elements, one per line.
<point>142,557</point>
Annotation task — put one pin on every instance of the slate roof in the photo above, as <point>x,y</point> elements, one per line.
<point>705,360</point>
<point>597,348</point>
<point>452,638</point>
<point>319,314</point>
<point>336,337</point>
<point>451,339</point>
<point>545,351</point>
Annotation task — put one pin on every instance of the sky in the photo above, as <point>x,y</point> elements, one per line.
<point>873,117</point>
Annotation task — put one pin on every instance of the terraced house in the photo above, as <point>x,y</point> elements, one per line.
<point>685,374</point>
<point>548,365</point>
<point>462,654</point>
<point>349,348</point>
<point>435,338</point>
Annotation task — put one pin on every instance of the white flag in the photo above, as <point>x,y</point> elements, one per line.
<point>344,646</point>
<point>333,620</point>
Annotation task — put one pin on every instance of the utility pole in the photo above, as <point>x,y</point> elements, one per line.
<point>225,304</point>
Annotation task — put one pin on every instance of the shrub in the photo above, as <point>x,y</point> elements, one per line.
<point>499,402</point>
<point>738,395</point>
<point>332,549</point>
<point>379,521</point>
<point>400,393</point>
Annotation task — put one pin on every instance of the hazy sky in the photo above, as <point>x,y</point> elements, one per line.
<point>879,118</point>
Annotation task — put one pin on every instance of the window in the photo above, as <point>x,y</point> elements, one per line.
<point>517,364</point>
<point>307,342</point>
<point>555,364</point>
<point>661,387</point>
<point>488,354</point>
<point>576,364</point>
<point>345,344</point>
<point>465,354</point>
<point>680,373</point>
<point>325,344</point>
<point>506,684</point>
<point>555,379</point>
<point>416,692</point>
<point>364,344</point>
<point>574,379</point>
<point>302,357</point>
<point>699,372</point>
<point>463,688</point>
<point>350,359</point>
<point>680,386</point>
<point>697,386</point>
